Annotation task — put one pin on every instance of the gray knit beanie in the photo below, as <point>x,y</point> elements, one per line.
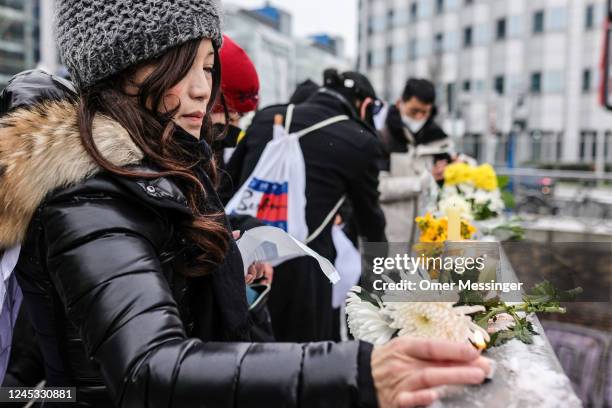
<point>98,38</point>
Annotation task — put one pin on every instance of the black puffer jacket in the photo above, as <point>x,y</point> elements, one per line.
<point>112,316</point>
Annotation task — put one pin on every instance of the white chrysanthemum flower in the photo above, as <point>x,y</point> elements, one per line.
<point>467,190</point>
<point>448,191</point>
<point>367,321</point>
<point>434,320</point>
<point>497,204</point>
<point>456,201</point>
<point>500,322</point>
<point>482,196</point>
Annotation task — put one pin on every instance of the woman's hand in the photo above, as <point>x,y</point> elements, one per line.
<point>259,270</point>
<point>407,370</point>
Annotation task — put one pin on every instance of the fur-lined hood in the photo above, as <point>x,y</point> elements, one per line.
<point>40,151</point>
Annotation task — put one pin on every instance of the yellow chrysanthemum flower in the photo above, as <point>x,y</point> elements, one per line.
<point>484,177</point>
<point>467,229</point>
<point>434,230</point>
<point>458,173</point>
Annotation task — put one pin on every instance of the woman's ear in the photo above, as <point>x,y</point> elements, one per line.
<point>363,110</point>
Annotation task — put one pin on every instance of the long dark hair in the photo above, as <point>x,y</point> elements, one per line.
<point>152,131</point>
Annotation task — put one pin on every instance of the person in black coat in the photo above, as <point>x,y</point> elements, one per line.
<point>341,160</point>
<point>26,89</point>
<point>411,122</point>
<point>127,263</point>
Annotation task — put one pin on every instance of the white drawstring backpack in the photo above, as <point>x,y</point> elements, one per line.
<point>275,192</point>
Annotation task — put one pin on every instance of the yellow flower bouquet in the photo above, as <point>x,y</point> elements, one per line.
<point>476,189</point>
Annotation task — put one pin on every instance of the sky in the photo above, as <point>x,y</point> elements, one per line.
<point>337,17</point>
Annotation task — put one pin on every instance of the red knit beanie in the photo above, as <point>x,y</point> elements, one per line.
<point>239,81</point>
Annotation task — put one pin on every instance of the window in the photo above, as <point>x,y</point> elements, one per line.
<point>499,84</point>
<point>536,83</point>
<point>412,49</point>
<point>378,58</point>
<point>399,54</point>
<point>554,82</point>
<point>588,145</point>
<point>538,22</point>
<point>370,26</point>
<point>423,47</point>
<point>514,83</point>
<point>12,62</point>
<point>452,5</point>
<point>389,54</point>
<point>589,22</point>
<point>479,86</point>
<point>469,2</point>
<point>467,85</point>
<point>439,6</point>
<point>556,19</point>
<point>450,97</point>
<point>481,34</point>
<point>451,42</point>
<point>500,33</point>
<point>438,43</point>
<point>414,11</point>
<point>16,4</point>
<point>515,26</point>
<point>467,37</point>
<point>586,81</point>
<point>390,18</point>
<point>369,59</point>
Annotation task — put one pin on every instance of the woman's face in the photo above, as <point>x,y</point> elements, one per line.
<point>192,93</point>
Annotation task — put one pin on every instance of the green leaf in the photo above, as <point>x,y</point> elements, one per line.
<point>366,296</point>
<point>523,330</point>
<point>517,233</point>
<point>545,292</point>
<point>470,297</point>
<point>508,199</point>
<point>503,181</point>
<point>501,337</point>
<point>523,334</point>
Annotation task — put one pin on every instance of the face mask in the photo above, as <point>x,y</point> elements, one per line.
<point>414,126</point>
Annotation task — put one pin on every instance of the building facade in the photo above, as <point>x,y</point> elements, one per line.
<point>282,60</point>
<point>18,37</point>
<point>527,66</point>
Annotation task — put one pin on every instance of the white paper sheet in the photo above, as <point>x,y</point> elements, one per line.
<point>348,264</point>
<point>275,246</point>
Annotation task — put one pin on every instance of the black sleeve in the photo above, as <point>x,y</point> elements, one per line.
<point>230,180</point>
<point>102,258</point>
<point>364,195</point>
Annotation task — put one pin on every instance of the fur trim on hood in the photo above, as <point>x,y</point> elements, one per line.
<point>40,151</point>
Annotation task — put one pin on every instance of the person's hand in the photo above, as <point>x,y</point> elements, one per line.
<point>438,169</point>
<point>259,270</point>
<point>407,370</point>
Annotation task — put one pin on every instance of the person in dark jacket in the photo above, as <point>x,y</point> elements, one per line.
<point>340,162</point>
<point>411,123</point>
<point>127,261</point>
<point>26,89</point>
<point>304,91</point>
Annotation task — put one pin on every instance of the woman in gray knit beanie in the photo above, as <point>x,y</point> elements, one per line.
<point>134,282</point>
